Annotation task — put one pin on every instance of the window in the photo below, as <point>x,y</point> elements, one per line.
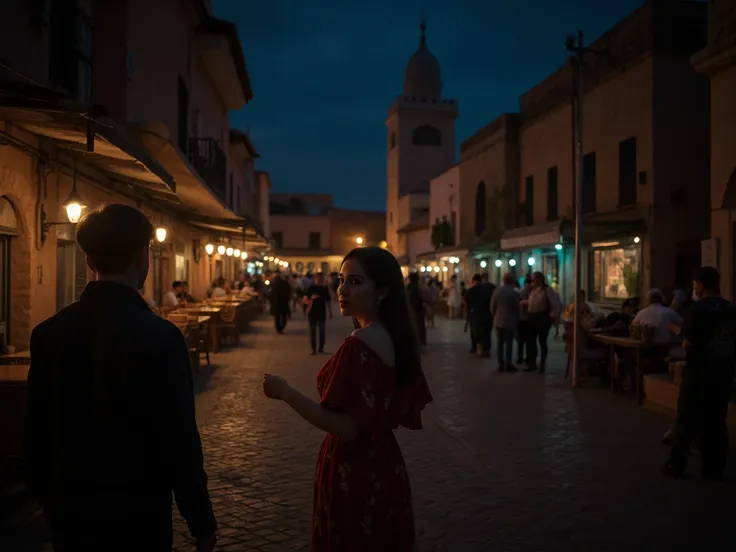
<point>616,273</point>
<point>480,208</point>
<point>392,141</point>
<point>278,239</point>
<point>183,116</point>
<point>627,172</point>
<point>529,201</point>
<point>314,240</point>
<point>70,55</point>
<point>426,135</point>
<point>181,268</point>
<point>4,288</point>
<point>230,191</point>
<point>589,186</point>
<point>552,193</point>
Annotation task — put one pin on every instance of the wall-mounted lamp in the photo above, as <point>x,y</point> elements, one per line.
<point>160,234</point>
<point>236,252</point>
<point>512,262</point>
<point>73,205</point>
<point>243,255</point>
<point>359,240</point>
<point>558,246</point>
<point>229,251</point>
<point>221,249</point>
<point>499,263</point>
<point>209,249</point>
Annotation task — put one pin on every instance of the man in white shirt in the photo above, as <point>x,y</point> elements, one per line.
<point>171,298</point>
<point>658,316</point>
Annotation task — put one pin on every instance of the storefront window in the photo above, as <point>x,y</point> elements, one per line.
<point>616,273</point>
<point>551,271</point>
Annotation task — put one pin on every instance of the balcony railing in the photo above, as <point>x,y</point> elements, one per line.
<point>208,159</point>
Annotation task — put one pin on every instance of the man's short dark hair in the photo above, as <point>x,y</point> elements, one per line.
<point>177,283</point>
<point>111,236</point>
<point>709,277</point>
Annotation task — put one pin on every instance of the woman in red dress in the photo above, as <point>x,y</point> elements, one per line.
<point>370,386</point>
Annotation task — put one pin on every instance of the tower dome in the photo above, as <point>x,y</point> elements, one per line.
<point>422,76</point>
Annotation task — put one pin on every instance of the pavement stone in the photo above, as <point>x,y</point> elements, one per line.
<point>506,462</point>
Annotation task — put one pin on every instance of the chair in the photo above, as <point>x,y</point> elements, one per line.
<point>176,317</point>
<point>196,344</point>
<point>227,327</point>
<point>589,356</point>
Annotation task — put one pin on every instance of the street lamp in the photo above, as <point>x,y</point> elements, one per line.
<point>359,240</point>
<point>637,239</point>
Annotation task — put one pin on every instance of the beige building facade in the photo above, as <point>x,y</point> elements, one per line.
<point>111,127</point>
<point>645,140</point>
<point>718,62</point>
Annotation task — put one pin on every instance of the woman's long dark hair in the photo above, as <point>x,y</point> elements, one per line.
<point>393,312</point>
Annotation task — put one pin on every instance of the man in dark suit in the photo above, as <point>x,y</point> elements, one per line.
<point>110,429</point>
<point>280,299</point>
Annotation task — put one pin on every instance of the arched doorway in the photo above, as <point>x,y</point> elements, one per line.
<point>480,209</point>
<point>9,229</point>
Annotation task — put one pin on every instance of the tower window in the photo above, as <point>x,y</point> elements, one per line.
<point>426,135</point>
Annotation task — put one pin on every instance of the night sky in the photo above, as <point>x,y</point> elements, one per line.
<point>325,72</point>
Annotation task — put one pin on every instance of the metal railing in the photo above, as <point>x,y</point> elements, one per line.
<point>210,162</point>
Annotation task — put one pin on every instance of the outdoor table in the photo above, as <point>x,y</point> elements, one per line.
<point>638,345</point>
<point>21,357</point>
<point>213,314</point>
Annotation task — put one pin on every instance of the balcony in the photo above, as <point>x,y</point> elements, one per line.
<point>210,162</point>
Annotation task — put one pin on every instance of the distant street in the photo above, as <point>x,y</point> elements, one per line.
<point>506,462</point>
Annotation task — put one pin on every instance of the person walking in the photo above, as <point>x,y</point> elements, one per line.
<point>479,314</point>
<point>454,298</point>
<point>319,305</point>
<point>279,299</point>
<point>110,425</point>
<point>709,338</point>
<point>543,307</point>
<point>505,311</point>
<point>372,385</point>
<point>417,300</point>
<point>522,333</point>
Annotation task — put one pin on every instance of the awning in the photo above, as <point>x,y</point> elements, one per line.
<point>84,128</point>
<point>528,237</point>
<point>449,251</point>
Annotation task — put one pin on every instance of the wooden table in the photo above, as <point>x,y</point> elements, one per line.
<point>638,345</point>
<point>21,357</point>
<point>212,313</point>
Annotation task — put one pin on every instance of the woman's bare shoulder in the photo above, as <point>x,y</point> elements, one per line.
<point>377,338</point>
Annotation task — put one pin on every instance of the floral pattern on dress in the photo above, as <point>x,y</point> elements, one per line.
<point>362,495</point>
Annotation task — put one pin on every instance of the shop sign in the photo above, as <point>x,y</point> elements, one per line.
<point>709,252</point>
<point>534,240</point>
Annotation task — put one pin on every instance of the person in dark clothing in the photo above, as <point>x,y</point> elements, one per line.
<point>416,302</point>
<point>279,299</point>
<point>522,332</point>
<point>709,340</point>
<point>319,306</point>
<point>478,300</point>
<point>110,425</point>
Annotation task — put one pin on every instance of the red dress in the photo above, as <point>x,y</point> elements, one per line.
<point>362,497</point>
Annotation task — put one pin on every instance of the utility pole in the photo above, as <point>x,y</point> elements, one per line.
<point>578,49</point>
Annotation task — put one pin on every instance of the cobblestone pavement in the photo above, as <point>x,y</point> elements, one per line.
<point>506,462</point>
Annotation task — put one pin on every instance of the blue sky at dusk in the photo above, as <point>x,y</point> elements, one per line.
<point>325,72</point>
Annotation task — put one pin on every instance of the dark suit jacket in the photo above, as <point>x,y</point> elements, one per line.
<point>110,429</point>
<point>280,297</point>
